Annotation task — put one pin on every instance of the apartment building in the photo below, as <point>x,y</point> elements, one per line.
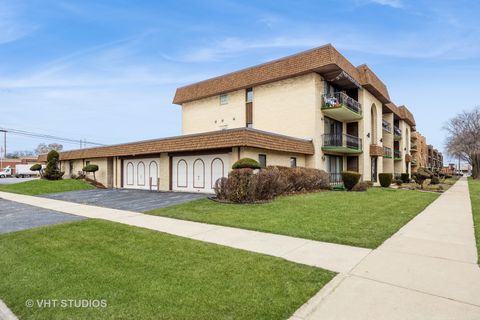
<point>419,150</point>
<point>312,109</point>
<point>435,159</point>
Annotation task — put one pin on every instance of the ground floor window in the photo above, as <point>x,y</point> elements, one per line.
<point>262,159</point>
<point>334,166</point>
<point>293,162</point>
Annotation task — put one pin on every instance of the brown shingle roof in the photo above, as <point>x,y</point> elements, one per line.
<point>406,115</point>
<point>324,60</point>
<point>372,83</point>
<point>241,137</point>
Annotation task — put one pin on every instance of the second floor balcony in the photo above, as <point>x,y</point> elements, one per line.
<point>341,107</point>
<point>397,133</point>
<point>386,126</point>
<point>341,144</point>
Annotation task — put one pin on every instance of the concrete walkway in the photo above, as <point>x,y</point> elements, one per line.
<point>335,257</point>
<point>427,270</point>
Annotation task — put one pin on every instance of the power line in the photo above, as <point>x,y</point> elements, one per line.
<point>49,137</point>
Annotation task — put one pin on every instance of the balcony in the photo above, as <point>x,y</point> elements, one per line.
<point>387,152</point>
<point>397,133</point>
<point>341,144</point>
<point>386,126</point>
<point>341,107</point>
<point>413,148</point>
<point>408,158</point>
<point>397,155</point>
<point>414,162</point>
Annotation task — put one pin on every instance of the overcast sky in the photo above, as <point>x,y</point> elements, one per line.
<point>107,71</point>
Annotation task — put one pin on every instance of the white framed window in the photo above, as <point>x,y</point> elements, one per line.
<point>223,99</point>
<point>293,162</point>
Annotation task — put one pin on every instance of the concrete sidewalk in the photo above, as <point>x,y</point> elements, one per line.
<point>427,270</point>
<point>335,257</point>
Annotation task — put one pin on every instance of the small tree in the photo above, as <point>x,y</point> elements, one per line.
<point>350,179</point>
<point>463,139</point>
<point>52,171</point>
<point>91,168</point>
<point>37,167</point>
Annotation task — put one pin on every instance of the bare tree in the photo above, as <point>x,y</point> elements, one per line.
<point>43,148</point>
<point>463,139</point>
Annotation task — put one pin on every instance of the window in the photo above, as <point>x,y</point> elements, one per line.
<point>293,162</point>
<point>87,163</point>
<point>262,159</point>
<point>249,95</point>
<point>223,99</point>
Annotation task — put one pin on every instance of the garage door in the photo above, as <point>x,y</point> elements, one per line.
<point>199,173</point>
<point>141,173</point>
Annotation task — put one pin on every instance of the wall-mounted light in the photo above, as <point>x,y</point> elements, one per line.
<point>323,158</point>
<point>368,135</point>
<point>381,139</point>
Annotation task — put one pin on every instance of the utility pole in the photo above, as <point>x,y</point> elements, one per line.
<point>4,153</point>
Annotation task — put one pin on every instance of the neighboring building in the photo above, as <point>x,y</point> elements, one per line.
<point>12,162</point>
<point>435,158</point>
<point>312,109</point>
<point>449,170</point>
<point>419,150</point>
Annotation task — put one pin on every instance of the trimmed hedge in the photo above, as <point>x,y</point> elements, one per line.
<point>385,179</point>
<point>36,167</point>
<point>361,186</point>
<point>246,163</point>
<point>350,179</point>
<point>90,168</point>
<point>435,180</point>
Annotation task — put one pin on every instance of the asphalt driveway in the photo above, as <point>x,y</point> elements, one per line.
<point>126,199</point>
<point>16,216</point>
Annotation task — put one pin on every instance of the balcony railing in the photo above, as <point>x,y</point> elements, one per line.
<point>397,131</point>
<point>387,126</point>
<point>339,99</point>
<point>397,154</point>
<point>341,143</point>
<point>387,152</point>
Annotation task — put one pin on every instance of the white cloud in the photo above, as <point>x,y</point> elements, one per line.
<point>390,3</point>
<point>11,26</point>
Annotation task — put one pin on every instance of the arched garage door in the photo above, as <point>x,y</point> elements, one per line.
<point>198,173</point>
<point>141,173</point>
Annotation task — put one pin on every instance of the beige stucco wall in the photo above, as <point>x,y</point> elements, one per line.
<point>164,173</point>
<point>273,158</point>
<point>103,175</point>
<point>365,128</point>
<point>207,114</point>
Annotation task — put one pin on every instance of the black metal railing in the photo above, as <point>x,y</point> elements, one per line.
<point>397,131</point>
<point>342,140</point>
<point>397,154</point>
<point>387,126</point>
<point>339,98</point>
<point>387,152</point>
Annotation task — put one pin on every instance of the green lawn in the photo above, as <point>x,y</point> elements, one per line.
<point>363,219</point>
<point>474,188</point>
<point>36,187</point>
<point>144,274</point>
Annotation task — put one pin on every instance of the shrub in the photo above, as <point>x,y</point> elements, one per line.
<point>369,183</point>
<point>421,175</point>
<point>52,171</point>
<point>244,186</point>
<point>385,179</point>
<point>246,163</point>
<point>361,186</point>
<point>405,177</point>
<point>398,182</point>
<point>91,168</point>
<point>435,180</point>
<point>350,179</point>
